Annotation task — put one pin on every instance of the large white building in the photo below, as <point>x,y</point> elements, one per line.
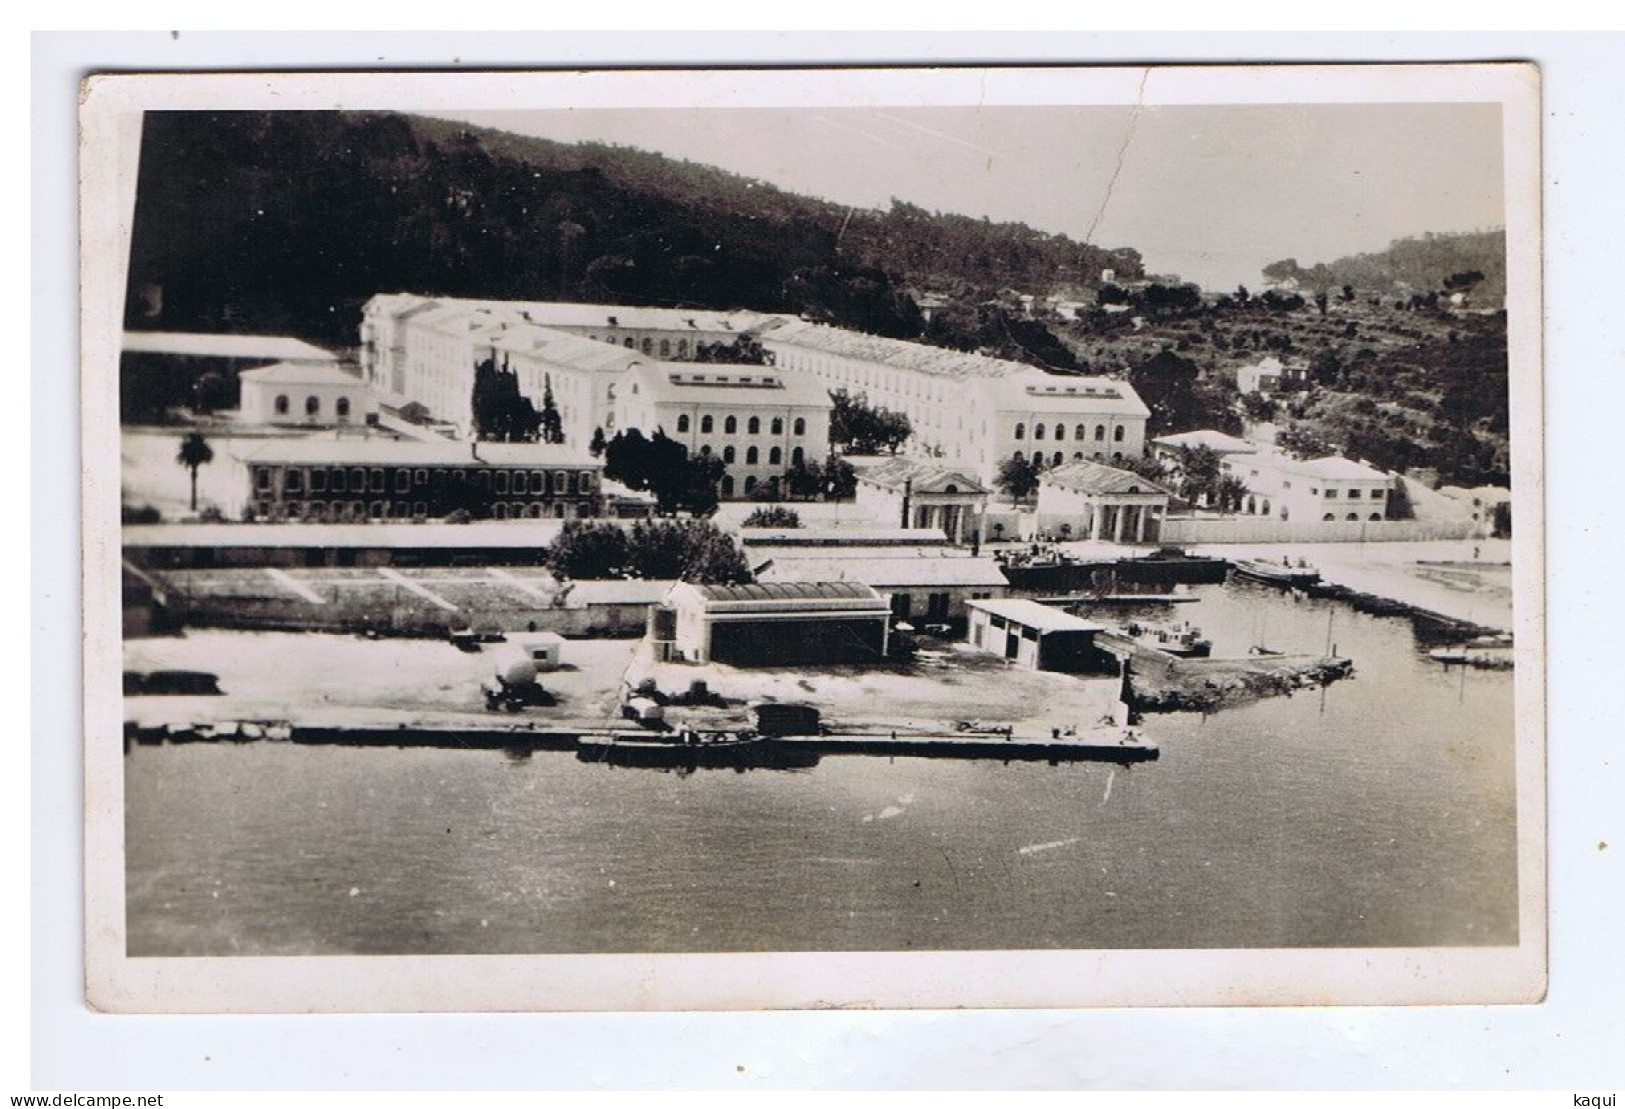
<point>758,420</point>
<point>424,349</point>
<point>968,409</point>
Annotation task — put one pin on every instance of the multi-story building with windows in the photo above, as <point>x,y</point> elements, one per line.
<point>377,479</point>
<point>424,349</point>
<point>968,409</point>
<point>759,421</point>
<point>1317,489</point>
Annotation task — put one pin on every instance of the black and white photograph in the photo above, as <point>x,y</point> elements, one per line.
<point>721,539</point>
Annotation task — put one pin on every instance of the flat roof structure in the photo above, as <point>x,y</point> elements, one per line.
<point>527,534</point>
<point>886,573</point>
<point>271,348</point>
<point>843,537</point>
<point>400,452</point>
<point>1031,614</point>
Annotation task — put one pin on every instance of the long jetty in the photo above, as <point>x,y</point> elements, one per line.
<point>594,744</point>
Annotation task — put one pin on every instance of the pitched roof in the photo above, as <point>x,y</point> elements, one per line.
<point>1092,477</point>
<point>271,348</point>
<point>301,373</point>
<point>1337,468</point>
<point>926,476</point>
<point>1031,614</point>
<point>1216,441</point>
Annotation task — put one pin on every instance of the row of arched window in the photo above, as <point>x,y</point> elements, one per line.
<point>1080,432</point>
<point>313,406</point>
<point>1060,456</point>
<point>753,426</point>
<point>753,455</point>
<point>649,347</point>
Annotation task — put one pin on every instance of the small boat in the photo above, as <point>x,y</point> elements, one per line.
<point>1283,573</point>
<point>1182,640</point>
<point>1485,652</point>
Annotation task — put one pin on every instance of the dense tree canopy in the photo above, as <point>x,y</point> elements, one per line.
<point>861,429</point>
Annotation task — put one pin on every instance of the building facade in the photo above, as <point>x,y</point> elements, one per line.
<point>305,394</point>
<point>918,493</point>
<point>760,421</point>
<point>383,479</point>
<point>1087,500</point>
<point>967,410</point>
<point>772,624</point>
<point>1037,637</point>
<point>1319,489</point>
<point>424,349</point>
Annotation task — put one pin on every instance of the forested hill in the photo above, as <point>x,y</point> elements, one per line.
<point>1473,263</point>
<point>287,221</point>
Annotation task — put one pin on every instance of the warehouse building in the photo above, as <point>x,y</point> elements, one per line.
<point>1037,637</point>
<point>771,624</point>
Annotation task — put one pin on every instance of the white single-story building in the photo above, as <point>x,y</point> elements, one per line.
<point>312,394</point>
<point>1038,637</point>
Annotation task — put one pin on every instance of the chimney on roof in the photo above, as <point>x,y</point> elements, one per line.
<point>614,322</point>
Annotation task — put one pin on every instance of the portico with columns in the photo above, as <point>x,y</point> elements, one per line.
<point>918,493</point>
<point>1087,500</point>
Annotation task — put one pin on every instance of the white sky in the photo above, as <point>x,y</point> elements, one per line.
<point>1212,193</point>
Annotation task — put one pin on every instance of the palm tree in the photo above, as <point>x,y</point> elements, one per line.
<point>195,451</point>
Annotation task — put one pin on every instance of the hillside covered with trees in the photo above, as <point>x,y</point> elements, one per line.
<point>1473,263</point>
<point>286,222</point>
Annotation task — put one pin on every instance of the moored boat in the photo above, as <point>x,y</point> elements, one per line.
<point>1182,640</point>
<point>1285,573</point>
<point>1485,652</point>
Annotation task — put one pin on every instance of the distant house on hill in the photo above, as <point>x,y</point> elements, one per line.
<point>1270,375</point>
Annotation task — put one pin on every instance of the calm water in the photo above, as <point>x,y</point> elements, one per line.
<point>1378,812</point>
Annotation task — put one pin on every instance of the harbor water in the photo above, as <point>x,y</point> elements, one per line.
<point>1376,812</point>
